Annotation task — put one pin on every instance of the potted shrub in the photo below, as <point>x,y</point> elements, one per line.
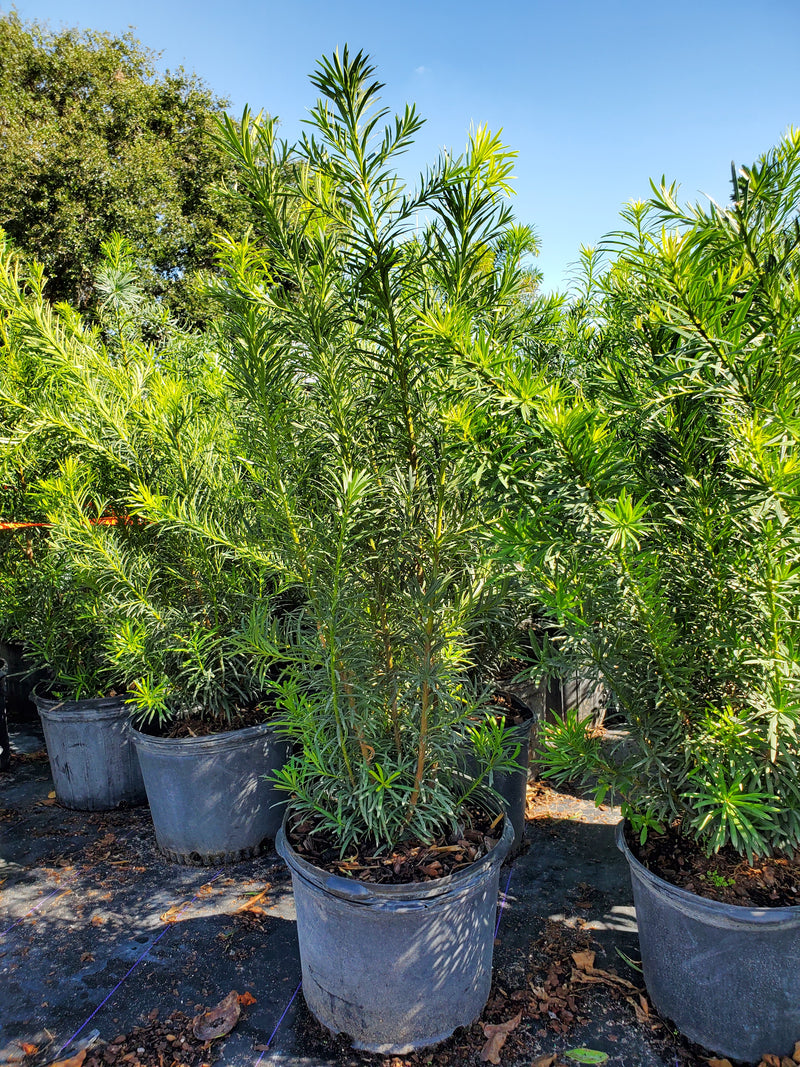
<point>136,422</point>
<point>362,508</point>
<point>62,625</point>
<point>45,604</point>
<point>663,538</point>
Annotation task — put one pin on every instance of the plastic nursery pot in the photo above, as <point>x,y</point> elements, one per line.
<point>396,967</point>
<point>210,798</point>
<point>5,742</point>
<point>512,786</point>
<point>92,760</point>
<point>726,975</point>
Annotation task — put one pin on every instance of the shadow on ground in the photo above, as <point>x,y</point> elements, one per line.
<point>98,930</point>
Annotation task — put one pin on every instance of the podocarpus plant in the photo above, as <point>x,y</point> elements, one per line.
<point>361,499</point>
<point>660,521</point>
<point>95,417</point>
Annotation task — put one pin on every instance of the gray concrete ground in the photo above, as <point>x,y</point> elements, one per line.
<point>97,930</point>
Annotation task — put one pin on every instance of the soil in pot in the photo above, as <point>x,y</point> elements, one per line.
<point>210,795</point>
<point>409,862</point>
<point>396,967</point>
<point>773,882</point>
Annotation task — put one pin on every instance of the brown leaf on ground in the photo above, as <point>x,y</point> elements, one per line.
<point>770,1060</point>
<point>219,1021</point>
<point>246,999</point>
<point>604,978</point>
<point>584,961</point>
<point>171,914</point>
<point>788,1061</point>
<point>796,1053</point>
<point>544,1061</point>
<point>720,1063</point>
<point>250,905</point>
<point>73,1061</point>
<point>496,1034</point>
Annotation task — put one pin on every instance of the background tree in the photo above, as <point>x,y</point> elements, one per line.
<point>94,140</point>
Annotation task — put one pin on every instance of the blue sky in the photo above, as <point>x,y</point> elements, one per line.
<point>597,96</point>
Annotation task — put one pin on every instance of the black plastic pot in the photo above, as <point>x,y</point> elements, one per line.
<point>727,976</point>
<point>92,760</point>
<point>512,786</point>
<point>5,741</point>
<point>396,967</point>
<point>209,796</point>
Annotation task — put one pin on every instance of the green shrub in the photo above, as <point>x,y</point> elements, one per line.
<point>659,524</point>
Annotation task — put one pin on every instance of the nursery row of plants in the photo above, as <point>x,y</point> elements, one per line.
<point>390,466</point>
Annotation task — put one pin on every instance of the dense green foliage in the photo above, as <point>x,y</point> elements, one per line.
<point>360,500</point>
<point>93,140</point>
<point>97,414</point>
<point>662,497</point>
<point>344,495</point>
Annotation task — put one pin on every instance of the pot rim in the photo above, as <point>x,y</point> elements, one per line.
<point>396,896</point>
<point>222,739</point>
<point>78,709</point>
<point>715,911</point>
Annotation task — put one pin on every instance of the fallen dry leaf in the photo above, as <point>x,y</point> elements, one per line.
<point>246,999</point>
<point>584,961</point>
<point>171,914</point>
<point>97,920</point>
<point>218,1021</point>
<point>720,1063</point>
<point>770,1060</point>
<point>73,1061</point>
<point>496,1034</point>
<point>252,903</point>
<point>544,1061</point>
<point>788,1061</point>
<point>51,796</point>
<point>604,978</point>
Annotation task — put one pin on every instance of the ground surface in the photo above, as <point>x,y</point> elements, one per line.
<point>101,937</point>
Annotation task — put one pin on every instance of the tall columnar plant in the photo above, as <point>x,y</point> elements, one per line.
<point>360,496</point>
<point>660,528</point>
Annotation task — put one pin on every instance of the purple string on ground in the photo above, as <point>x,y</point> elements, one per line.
<point>136,964</point>
<point>278,1023</point>
<point>503,902</point>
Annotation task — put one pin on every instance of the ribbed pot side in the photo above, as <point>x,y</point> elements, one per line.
<point>92,759</point>
<point>396,967</point>
<point>728,976</point>
<point>210,797</point>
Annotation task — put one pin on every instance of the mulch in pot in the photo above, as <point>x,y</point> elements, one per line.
<point>410,861</point>
<point>184,726</point>
<point>772,882</point>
